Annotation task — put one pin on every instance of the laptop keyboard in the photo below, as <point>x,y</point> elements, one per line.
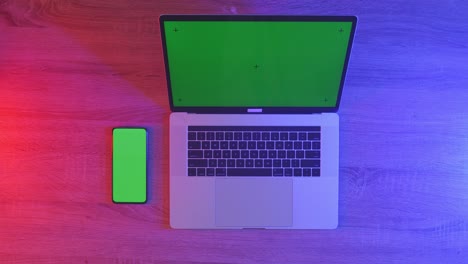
<point>254,151</point>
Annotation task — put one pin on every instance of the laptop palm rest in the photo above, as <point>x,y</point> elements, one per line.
<point>253,202</point>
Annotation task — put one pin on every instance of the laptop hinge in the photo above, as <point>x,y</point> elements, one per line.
<point>254,110</point>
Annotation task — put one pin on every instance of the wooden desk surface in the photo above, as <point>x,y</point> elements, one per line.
<point>72,70</point>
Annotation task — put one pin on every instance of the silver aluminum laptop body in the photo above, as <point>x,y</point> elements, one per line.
<point>249,201</point>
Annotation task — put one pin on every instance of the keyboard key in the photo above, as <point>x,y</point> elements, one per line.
<point>290,154</point>
<point>285,163</point>
<point>281,154</point>
<point>249,163</point>
<point>214,144</point>
<point>263,154</point>
<point>231,163</point>
<point>310,163</point>
<point>276,163</point>
<point>242,145</point>
<point>195,154</point>
<point>309,154</point>
<point>210,172</point>
<point>306,172</point>
<point>284,136</point>
<point>219,135</point>
<point>279,145</point>
<point>277,172</point>
<point>267,163</point>
<point>302,136</point>
<point>221,163</point>
<point>297,172</point>
<point>245,154</point>
<point>316,145</point>
<point>306,145</point>
<point>192,172</point>
<point>249,172</point>
<point>293,136</point>
<point>210,136</point>
<point>313,136</point>
<point>217,154</point>
<point>265,136</point>
<point>287,172</point>
<point>226,154</point>
<point>228,136</point>
<point>201,172</point>
<point>295,163</point>
<point>212,163</point>
<point>288,145</point>
<point>247,136</point>
<point>240,163</point>
<point>274,136</point>
<point>208,154</point>
<point>220,172</point>
<point>272,154</point>
<point>223,145</point>
<point>192,136</point>
<point>315,172</point>
<point>235,154</point>
<point>197,163</point>
<point>237,135</point>
<point>258,163</point>
<point>261,145</point>
<point>205,144</point>
<point>254,154</point>
<point>300,154</point>
<point>256,136</point>
<point>233,144</point>
<point>270,145</point>
<point>201,135</point>
<point>194,145</point>
<point>297,145</point>
<point>252,144</point>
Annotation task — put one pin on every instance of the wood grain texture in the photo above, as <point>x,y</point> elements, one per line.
<point>71,70</point>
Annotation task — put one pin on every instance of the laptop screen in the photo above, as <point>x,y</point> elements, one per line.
<point>256,63</point>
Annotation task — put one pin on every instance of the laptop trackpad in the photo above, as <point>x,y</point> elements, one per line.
<point>253,202</point>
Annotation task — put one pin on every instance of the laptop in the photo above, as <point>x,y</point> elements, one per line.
<point>253,128</point>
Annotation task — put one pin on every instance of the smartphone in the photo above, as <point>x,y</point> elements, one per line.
<point>129,165</point>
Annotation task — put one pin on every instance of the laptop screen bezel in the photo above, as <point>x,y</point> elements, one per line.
<point>254,109</point>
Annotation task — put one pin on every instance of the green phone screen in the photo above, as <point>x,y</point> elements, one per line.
<point>129,165</point>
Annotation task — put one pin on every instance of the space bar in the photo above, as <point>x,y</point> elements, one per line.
<point>249,172</point>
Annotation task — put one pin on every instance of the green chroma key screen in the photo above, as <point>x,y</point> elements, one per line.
<point>256,63</point>
<point>129,165</point>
